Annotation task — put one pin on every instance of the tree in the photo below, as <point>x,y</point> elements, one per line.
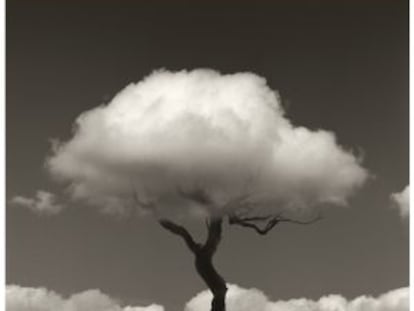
<point>237,213</point>
<point>200,143</point>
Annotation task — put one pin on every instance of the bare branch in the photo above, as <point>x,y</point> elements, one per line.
<point>182,232</point>
<point>255,218</point>
<point>271,222</point>
<point>167,224</point>
<point>302,222</point>
<point>250,223</point>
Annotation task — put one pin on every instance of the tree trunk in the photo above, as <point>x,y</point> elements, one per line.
<point>216,284</point>
<point>204,258</point>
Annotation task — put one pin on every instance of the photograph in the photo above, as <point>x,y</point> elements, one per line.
<point>206,155</point>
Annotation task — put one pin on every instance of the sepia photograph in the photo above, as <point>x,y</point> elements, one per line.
<point>207,155</point>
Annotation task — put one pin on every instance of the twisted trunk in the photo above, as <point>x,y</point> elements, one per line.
<point>216,284</point>
<point>204,258</point>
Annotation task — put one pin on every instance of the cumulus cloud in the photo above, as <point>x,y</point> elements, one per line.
<point>402,201</point>
<point>240,299</point>
<point>43,203</point>
<point>40,299</point>
<point>221,132</point>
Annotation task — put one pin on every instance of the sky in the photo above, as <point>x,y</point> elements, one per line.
<point>337,65</point>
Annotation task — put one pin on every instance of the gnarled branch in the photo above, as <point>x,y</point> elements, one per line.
<point>269,222</point>
<point>182,232</point>
<point>249,222</point>
<point>301,222</point>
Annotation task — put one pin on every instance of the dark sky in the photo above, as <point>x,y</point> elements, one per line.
<point>338,65</point>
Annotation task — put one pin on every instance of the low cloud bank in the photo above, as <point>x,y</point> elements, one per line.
<point>20,298</point>
<point>240,299</point>
<point>40,299</point>
<point>402,201</point>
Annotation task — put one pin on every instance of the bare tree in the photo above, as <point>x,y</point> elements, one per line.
<point>238,211</point>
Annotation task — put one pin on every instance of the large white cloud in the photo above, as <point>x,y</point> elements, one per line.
<point>179,129</point>
<point>240,299</point>
<point>402,201</point>
<point>40,299</point>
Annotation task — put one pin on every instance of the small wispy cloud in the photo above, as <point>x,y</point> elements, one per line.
<point>401,200</point>
<point>43,202</point>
